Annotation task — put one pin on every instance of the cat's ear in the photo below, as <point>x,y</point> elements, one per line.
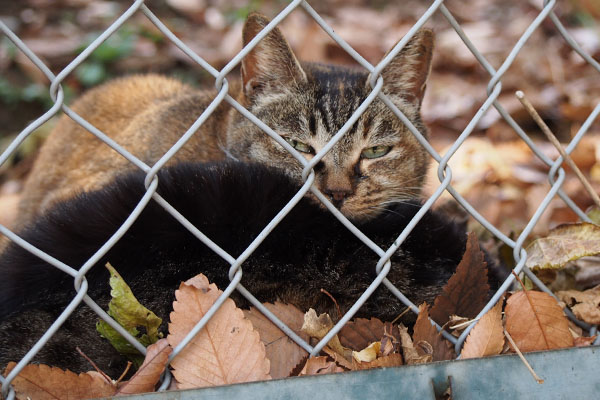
<point>271,65</point>
<point>406,75</point>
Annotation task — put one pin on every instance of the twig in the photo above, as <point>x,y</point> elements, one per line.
<point>514,345</point>
<point>463,324</point>
<point>536,117</point>
<point>124,372</point>
<point>407,309</point>
<point>339,311</point>
<point>106,377</point>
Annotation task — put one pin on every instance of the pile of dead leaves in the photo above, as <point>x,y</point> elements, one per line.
<point>238,346</point>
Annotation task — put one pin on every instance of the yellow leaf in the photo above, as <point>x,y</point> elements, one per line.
<point>367,354</point>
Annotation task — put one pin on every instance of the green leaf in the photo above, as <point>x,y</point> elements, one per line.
<point>132,316</point>
<point>564,243</point>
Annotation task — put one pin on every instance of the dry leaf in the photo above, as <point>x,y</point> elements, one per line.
<point>227,350</point>
<point>536,322</point>
<point>359,333</point>
<point>147,376</point>
<point>487,337</point>
<point>564,243</point>
<point>392,360</point>
<point>283,353</point>
<point>318,327</point>
<point>367,354</point>
<point>338,358</point>
<point>425,331</point>
<point>390,342</point>
<point>411,356</point>
<point>319,366</point>
<point>42,382</point>
<point>467,290</point>
<point>585,305</point>
<point>584,341</point>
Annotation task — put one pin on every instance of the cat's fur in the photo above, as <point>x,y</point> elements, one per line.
<point>303,102</point>
<point>230,203</point>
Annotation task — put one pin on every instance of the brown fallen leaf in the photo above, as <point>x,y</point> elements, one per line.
<point>338,358</point>
<point>392,360</point>
<point>466,292</point>
<point>487,337</point>
<point>283,353</point>
<point>320,366</point>
<point>228,349</point>
<point>583,341</point>
<point>585,305</point>
<point>409,351</point>
<point>43,382</point>
<point>147,376</point>
<point>536,322</point>
<point>567,242</point>
<point>390,342</point>
<point>318,326</point>
<point>425,331</point>
<point>359,333</point>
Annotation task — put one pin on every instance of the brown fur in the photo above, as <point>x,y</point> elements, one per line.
<point>303,102</point>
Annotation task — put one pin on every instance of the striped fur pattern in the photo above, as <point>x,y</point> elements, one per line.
<point>309,103</point>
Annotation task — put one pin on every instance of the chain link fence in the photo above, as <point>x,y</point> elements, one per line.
<point>556,175</point>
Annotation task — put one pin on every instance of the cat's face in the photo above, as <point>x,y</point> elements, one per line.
<point>377,162</point>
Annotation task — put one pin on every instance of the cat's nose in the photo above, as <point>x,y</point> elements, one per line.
<point>338,196</point>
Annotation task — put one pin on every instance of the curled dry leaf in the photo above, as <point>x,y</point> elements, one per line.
<point>392,360</point>
<point>536,322</point>
<point>147,376</point>
<point>390,342</point>
<point>359,333</point>
<point>319,366</point>
<point>43,382</point>
<point>410,353</point>
<point>367,354</point>
<point>466,292</point>
<point>283,353</point>
<point>318,326</point>
<point>487,337</point>
<point>227,350</point>
<point>564,243</point>
<point>583,341</point>
<point>425,331</point>
<point>585,305</point>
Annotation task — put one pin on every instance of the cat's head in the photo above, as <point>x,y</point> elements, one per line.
<point>377,162</point>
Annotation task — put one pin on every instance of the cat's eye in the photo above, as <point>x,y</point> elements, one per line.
<point>300,146</point>
<point>375,151</point>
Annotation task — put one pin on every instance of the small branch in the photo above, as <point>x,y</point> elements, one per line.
<point>514,345</point>
<point>106,377</point>
<point>339,311</point>
<point>124,372</point>
<point>403,313</point>
<point>463,324</point>
<point>536,117</point>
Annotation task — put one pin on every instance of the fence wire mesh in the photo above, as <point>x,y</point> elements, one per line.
<point>556,175</point>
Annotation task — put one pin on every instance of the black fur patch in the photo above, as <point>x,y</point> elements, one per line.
<point>231,203</point>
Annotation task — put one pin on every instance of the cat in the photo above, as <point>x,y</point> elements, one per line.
<point>309,250</point>
<point>376,163</point>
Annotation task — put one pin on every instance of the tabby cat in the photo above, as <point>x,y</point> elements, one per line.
<point>376,163</point>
